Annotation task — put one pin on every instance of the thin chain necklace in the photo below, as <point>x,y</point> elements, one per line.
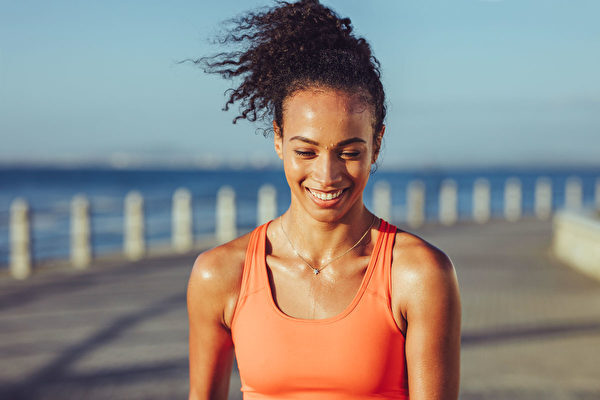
<point>317,270</point>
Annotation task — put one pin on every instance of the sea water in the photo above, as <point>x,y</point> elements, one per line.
<point>49,192</point>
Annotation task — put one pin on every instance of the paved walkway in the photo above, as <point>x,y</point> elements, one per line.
<point>531,326</point>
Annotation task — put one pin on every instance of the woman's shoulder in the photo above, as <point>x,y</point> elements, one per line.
<point>420,270</point>
<point>221,262</point>
<point>416,255</point>
<point>216,276</point>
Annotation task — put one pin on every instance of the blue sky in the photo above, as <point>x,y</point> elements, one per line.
<point>469,82</point>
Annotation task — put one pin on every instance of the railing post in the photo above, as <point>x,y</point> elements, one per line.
<point>481,200</point>
<point>448,213</point>
<point>543,198</point>
<point>267,204</point>
<point>512,199</point>
<point>382,200</point>
<point>182,237</point>
<point>81,233</point>
<point>134,243</point>
<point>573,193</point>
<point>415,204</point>
<point>20,239</point>
<point>226,215</point>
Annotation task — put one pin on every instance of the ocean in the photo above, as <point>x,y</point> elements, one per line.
<point>49,192</point>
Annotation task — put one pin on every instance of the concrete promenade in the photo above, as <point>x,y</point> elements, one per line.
<point>531,326</point>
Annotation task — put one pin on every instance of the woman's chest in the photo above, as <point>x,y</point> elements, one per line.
<point>358,351</point>
<point>308,296</point>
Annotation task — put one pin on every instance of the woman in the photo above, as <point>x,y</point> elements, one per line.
<point>327,301</point>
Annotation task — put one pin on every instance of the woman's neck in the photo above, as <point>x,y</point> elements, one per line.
<point>320,241</point>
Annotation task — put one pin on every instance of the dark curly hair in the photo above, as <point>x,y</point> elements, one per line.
<point>293,46</point>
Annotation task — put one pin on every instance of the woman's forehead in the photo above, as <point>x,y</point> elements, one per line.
<point>327,107</point>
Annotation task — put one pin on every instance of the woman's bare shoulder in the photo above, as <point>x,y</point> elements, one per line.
<point>421,271</point>
<point>222,263</point>
<point>414,254</point>
<point>216,277</point>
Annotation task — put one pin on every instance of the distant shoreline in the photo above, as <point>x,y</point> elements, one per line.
<point>150,166</point>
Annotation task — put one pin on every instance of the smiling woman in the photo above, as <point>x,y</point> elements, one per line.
<point>327,301</point>
<point>327,152</point>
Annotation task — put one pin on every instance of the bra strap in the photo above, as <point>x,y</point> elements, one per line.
<point>381,281</point>
<point>250,275</point>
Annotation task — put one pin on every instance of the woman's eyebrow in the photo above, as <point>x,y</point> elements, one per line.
<point>340,144</point>
<point>350,141</point>
<point>304,139</point>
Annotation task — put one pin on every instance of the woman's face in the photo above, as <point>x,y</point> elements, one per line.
<point>326,144</point>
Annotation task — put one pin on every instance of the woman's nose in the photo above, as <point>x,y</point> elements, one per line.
<point>328,170</point>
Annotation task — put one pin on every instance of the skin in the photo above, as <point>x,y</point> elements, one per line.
<point>327,144</point>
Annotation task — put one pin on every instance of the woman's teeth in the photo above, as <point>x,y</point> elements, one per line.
<point>327,196</point>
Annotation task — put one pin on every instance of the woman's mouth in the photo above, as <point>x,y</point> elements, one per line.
<point>326,196</point>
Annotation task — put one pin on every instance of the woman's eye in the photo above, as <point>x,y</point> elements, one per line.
<point>304,153</point>
<point>350,154</point>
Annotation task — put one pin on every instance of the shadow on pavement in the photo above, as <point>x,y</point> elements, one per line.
<point>528,332</point>
<point>55,372</point>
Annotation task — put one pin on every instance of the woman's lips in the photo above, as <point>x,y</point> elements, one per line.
<point>326,199</point>
<point>326,195</point>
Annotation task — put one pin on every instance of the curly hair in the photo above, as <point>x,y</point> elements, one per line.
<point>293,46</point>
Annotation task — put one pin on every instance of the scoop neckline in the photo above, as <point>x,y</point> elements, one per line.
<point>351,306</point>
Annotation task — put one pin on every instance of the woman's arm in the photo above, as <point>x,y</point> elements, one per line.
<point>211,295</point>
<point>433,317</point>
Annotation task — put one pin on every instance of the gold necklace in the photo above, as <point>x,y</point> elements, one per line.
<point>317,270</point>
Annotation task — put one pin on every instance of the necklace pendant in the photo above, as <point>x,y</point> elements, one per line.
<point>316,271</point>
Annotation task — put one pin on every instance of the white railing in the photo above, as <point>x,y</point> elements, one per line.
<point>182,236</point>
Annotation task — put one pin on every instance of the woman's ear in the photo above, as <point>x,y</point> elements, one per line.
<point>377,144</point>
<point>278,139</point>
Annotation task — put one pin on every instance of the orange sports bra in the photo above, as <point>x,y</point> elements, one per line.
<point>359,353</point>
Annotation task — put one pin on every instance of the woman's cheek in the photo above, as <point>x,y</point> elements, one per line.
<point>294,162</point>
